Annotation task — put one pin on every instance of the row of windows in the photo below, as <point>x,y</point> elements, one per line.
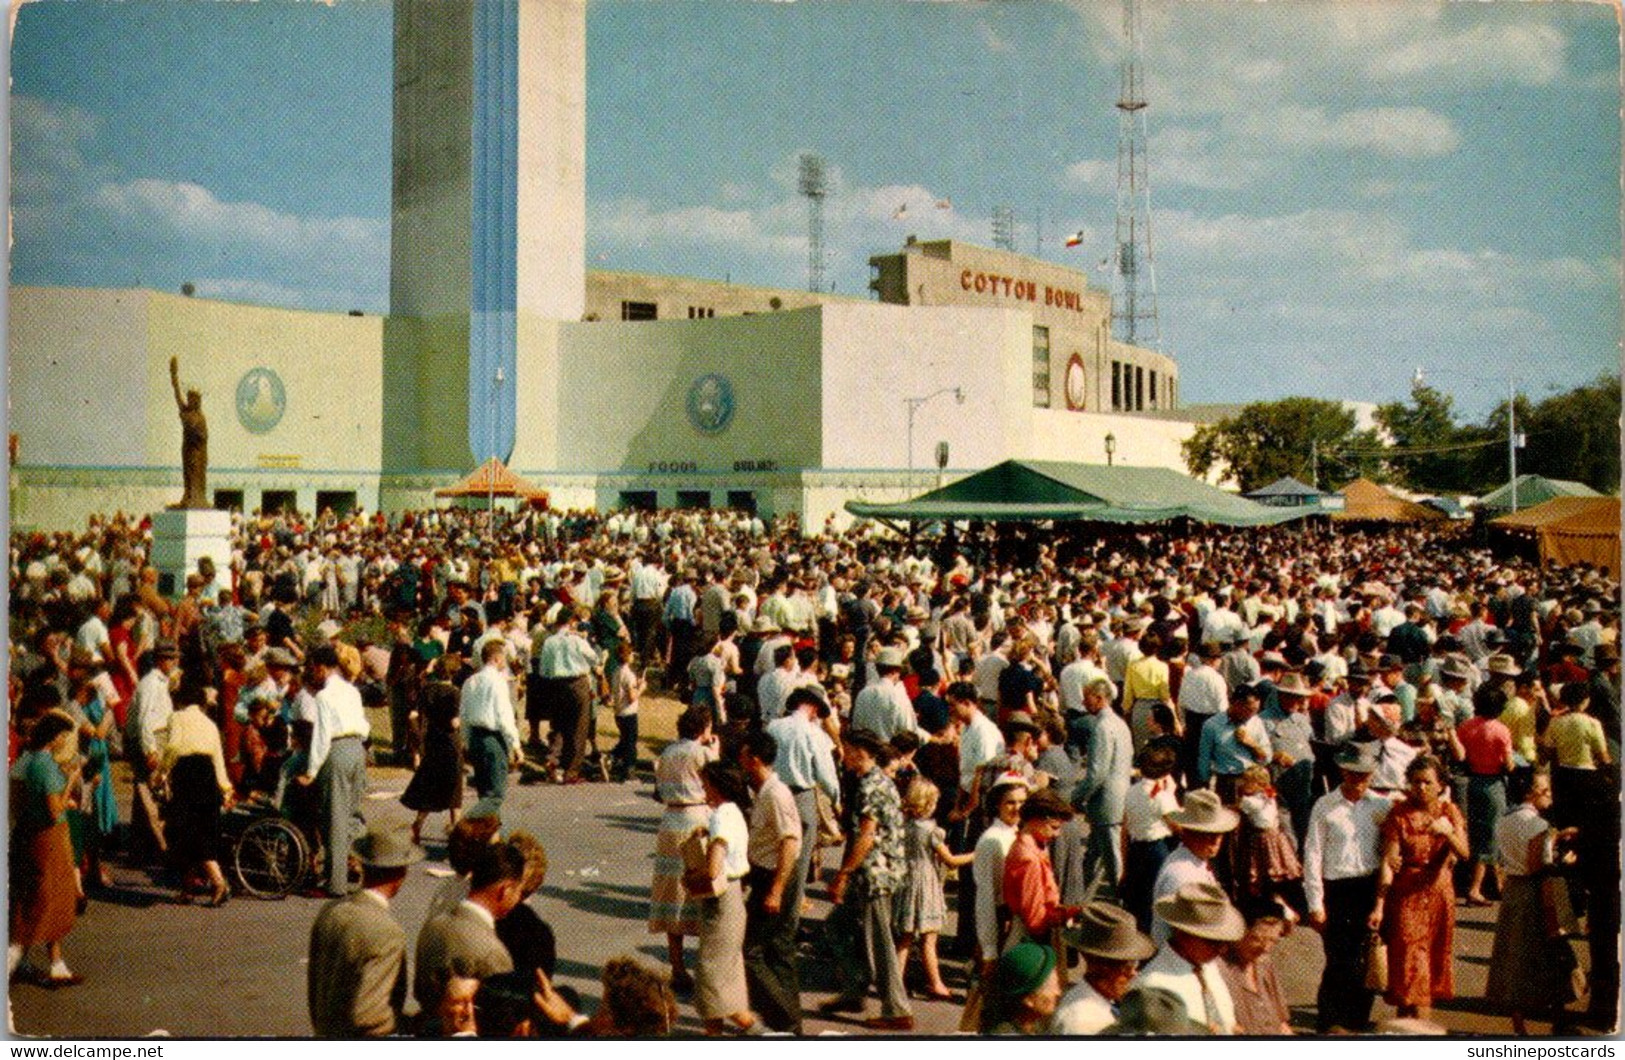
<point>1134,389</point>
<point>1040,367</point>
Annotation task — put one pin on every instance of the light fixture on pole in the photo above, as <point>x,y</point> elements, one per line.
<point>912,405</point>
<point>491,471</point>
<point>1111,447</point>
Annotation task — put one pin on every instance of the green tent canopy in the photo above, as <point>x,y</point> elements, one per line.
<point>1039,490</point>
<point>1533,490</point>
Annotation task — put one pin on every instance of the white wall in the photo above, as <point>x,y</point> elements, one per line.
<point>875,356</point>
<point>1080,437</point>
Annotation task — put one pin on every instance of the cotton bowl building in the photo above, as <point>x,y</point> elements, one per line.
<point>610,389</point>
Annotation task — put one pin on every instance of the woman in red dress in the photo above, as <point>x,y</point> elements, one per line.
<point>1416,901</point>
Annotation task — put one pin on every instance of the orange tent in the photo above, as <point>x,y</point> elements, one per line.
<point>493,479</point>
<point>1365,501</point>
<point>1571,530</point>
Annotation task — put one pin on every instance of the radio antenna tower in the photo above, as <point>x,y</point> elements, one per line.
<point>814,186</point>
<point>1134,272</point>
<point>1004,228</point>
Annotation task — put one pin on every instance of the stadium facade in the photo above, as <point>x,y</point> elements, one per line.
<point>610,389</point>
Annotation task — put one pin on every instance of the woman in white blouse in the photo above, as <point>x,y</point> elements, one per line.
<point>195,769</point>
<point>719,988</point>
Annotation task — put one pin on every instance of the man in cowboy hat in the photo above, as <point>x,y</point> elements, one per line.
<point>1202,923</point>
<point>1291,734</point>
<point>884,707</point>
<point>1112,949</point>
<point>1202,822</point>
<point>356,975</point>
<point>1341,854</point>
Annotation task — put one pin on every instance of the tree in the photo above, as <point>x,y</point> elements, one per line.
<point>1447,460</point>
<point>1270,439</point>
<point>1575,436</point>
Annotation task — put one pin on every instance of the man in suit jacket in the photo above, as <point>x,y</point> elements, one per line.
<point>463,940</point>
<point>356,976</point>
<point>1101,792</point>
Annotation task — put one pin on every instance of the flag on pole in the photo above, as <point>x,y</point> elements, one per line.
<point>899,213</point>
<point>944,204</point>
<point>1075,239</point>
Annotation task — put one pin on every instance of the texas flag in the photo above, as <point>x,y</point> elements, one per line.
<point>899,213</point>
<point>1075,239</point>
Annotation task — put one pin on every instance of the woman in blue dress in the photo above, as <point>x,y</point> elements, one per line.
<point>100,810</point>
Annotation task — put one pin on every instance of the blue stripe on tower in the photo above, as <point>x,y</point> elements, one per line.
<point>494,221</point>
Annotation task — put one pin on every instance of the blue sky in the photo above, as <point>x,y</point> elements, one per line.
<point>1342,191</point>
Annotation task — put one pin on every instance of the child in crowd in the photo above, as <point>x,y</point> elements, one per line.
<point>1267,865</point>
<point>1149,838</point>
<point>626,688</point>
<point>920,908</point>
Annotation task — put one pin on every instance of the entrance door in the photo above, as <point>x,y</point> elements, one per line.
<point>228,500</point>
<point>742,501</point>
<point>693,498</point>
<point>341,501</point>
<point>639,500</point>
<point>273,502</point>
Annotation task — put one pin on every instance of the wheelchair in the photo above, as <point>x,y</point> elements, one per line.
<point>270,856</point>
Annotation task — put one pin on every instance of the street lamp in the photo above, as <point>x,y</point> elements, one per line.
<point>1111,447</point>
<point>913,405</point>
<point>491,473</point>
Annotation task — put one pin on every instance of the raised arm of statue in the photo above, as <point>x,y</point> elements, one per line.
<point>175,382</point>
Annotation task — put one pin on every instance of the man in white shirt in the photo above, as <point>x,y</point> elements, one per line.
<point>1112,950</point>
<point>1078,673</point>
<point>1202,694</point>
<point>146,727</point>
<point>884,707</point>
<point>490,732</point>
<point>1202,823</point>
<point>1341,853</point>
<point>980,741</point>
<point>338,764</point>
<point>806,764</point>
<point>777,684</point>
<point>1202,925</point>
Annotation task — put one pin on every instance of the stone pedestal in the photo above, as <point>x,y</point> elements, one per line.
<point>180,537</point>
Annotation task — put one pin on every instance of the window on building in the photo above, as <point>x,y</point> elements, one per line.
<point>1117,386</point>
<point>701,312</point>
<point>639,311</point>
<point>1040,367</point>
<point>1139,388</point>
<point>1153,389</point>
<point>274,501</point>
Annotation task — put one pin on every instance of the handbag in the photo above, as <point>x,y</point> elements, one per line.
<point>1376,963</point>
<point>1556,907</point>
<point>697,879</point>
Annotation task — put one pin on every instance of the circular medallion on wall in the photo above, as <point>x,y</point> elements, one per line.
<point>261,400</point>
<point>1074,384</point>
<point>711,403</point>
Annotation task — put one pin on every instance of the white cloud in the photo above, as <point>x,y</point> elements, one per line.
<point>1095,173</point>
<point>1529,53</point>
<point>1394,132</point>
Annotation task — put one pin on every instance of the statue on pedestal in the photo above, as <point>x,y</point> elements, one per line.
<point>194,443</point>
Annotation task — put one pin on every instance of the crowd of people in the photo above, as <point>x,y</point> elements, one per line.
<point>1090,778</point>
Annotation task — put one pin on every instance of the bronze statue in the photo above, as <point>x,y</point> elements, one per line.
<point>194,443</point>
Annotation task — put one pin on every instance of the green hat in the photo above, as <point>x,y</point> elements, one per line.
<point>1022,969</point>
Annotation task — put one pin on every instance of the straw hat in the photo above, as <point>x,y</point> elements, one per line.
<point>1203,812</point>
<point>1357,757</point>
<point>1504,666</point>
<point>891,658</point>
<point>1294,685</point>
<point>1201,909</point>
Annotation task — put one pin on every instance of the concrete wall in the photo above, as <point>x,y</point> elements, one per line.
<point>552,157</point>
<point>623,390</point>
<point>76,377</point>
<point>677,297</point>
<point>875,356</point>
<point>1080,437</point>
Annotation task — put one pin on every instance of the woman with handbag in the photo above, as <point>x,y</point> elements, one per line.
<point>677,784</point>
<point>1416,904</point>
<point>720,992</point>
<point>1531,963</point>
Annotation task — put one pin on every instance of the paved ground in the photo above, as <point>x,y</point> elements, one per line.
<point>151,963</point>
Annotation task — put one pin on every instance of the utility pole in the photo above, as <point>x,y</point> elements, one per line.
<point>1314,462</point>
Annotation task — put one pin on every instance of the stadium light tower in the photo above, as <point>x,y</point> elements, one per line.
<point>1004,228</point>
<point>815,187</point>
<point>1134,271</point>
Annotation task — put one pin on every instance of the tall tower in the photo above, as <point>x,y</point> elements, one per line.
<point>815,187</point>
<point>488,210</point>
<point>1004,228</point>
<point>1134,267</point>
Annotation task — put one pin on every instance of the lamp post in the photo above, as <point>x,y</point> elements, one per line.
<point>491,473</point>
<point>913,405</point>
<point>1111,447</point>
